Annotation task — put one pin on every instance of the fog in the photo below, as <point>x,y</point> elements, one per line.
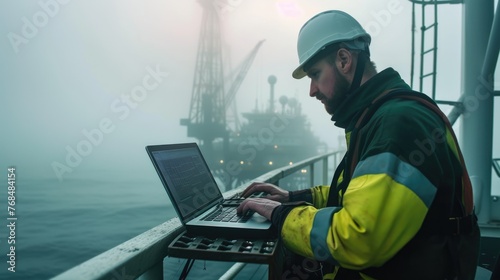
<point>68,70</point>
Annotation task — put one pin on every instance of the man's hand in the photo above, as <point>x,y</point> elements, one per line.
<point>274,193</point>
<point>262,206</point>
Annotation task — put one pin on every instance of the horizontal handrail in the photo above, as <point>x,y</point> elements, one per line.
<point>432,2</point>
<point>143,253</point>
<point>131,258</point>
<point>275,175</point>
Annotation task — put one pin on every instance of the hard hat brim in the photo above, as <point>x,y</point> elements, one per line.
<point>299,73</point>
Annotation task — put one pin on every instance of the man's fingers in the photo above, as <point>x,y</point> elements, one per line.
<point>247,191</point>
<point>263,206</point>
<point>243,207</point>
<point>248,204</point>
<point>253,188</point>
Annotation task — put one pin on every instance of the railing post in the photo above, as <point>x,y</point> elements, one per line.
<point>311,167</point>
<point>325,169</point>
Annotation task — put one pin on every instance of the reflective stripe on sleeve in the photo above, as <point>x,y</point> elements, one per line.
<point>320,234</point>
<point>401,172</point>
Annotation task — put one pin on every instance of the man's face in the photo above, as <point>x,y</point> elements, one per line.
<point>327,84</point>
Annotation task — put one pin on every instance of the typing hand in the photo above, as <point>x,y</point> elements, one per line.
<point>262,206</point>
<point>274,192</point>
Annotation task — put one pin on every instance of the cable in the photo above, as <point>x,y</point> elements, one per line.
<point>187,268</point>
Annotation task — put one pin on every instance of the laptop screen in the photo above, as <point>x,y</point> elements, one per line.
<point>186,177</point>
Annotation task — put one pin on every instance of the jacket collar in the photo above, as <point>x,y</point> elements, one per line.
<point>347,114</point>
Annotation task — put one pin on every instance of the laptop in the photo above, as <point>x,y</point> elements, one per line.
<point>198,200</point>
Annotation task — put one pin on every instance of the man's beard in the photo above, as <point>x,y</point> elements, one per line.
<point>340,91</point>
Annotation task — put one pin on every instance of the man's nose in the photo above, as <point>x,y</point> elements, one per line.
<point>313,89</point>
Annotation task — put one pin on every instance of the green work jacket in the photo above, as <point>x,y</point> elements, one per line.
<point>390,218</point>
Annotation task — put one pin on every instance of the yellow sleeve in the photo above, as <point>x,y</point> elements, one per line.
<point>320,196</point>
<point>381,212</point>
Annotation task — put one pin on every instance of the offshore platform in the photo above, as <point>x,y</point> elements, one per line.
<point>268,138</point>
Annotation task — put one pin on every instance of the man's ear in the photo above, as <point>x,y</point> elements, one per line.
<point>344,60</point>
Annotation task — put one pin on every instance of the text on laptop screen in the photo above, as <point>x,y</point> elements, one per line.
<point>188,179</point>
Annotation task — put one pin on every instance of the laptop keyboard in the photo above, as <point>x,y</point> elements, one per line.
<point>228,214</point>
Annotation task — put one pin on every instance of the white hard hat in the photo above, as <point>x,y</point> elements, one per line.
<point>327,28</point>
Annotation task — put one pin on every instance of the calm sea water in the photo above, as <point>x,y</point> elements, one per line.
<point>62,224</point>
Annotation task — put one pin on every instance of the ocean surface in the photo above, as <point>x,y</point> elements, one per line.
<point>62,224</point>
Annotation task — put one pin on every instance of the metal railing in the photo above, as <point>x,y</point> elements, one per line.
<point>142,256</point>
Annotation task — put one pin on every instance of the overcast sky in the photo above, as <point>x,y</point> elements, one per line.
<point>66,65</point>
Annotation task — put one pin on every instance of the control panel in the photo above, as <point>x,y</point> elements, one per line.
<point>222,249</point>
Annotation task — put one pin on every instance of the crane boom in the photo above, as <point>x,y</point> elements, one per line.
<point>245,66</point>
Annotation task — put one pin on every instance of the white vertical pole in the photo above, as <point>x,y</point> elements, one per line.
<point>477,122</point>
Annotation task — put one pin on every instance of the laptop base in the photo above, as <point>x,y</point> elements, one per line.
<point>231,233</point>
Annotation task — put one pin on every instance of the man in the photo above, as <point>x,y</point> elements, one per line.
<point>400,204</point>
